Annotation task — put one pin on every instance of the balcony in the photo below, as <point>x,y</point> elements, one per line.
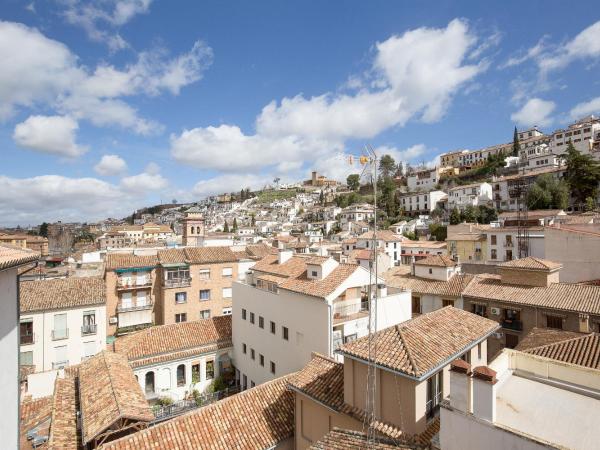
<point>27,339</point>
<point>88,329</point>
<point>177,282</point>
<point>57,335</point>
<point>348,311</point>
<point>512,324</point>
<point>135,306</point>
<point>509,244</point>
<point>60,364</point>
<point>124,284</point>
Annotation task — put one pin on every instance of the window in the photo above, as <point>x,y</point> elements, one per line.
<point>509,255</point>
<point>226,311</point>
<point>227,292</point>
<point>245,382</point>
<point>416,304</point>
<point>26,331</point>
<point>272,367</point>
<point>480,310</point>
<point>272,327</point>
<point>180,297</point>
<point>227,272</point>
<point>89,349</point>
<point>205,314</point>
<point>204,274</point>
<point>494,254</point>
<point>26,358</point>
<point>177,275</point>
<point>149,379</point>
<point>251,317</point>
<point>430,270</point>
<point>314,273</point>
<point>493,239</point>
<point>60,330</point>
<point>89,322</point>
<point>447,302</point>
<point>261,322</point>
<point>252,354</point>
<point>434,394</point>
<point>243,314</point>
<point>285,333</point>
<point>60,357</point>
<point>204,295</point>
<point>244,349</point>
<point>182,317</point>
<point>195,373</point>
<point>466,357</point>
<point>252,384</point>
<point>261,359</point>
<point>479,351</point>
<point>512,340</point>
<point>180,375</point>
<point>126,300</point>
<point>554,322</point>
<point>210,369</point>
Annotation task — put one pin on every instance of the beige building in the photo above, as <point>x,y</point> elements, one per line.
<point>577,248</point>
<point>193,227</point>
<point>467,243</point>
<point>36,243</point>
<point>411,369</point>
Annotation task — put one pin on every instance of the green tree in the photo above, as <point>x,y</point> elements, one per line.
<point>252,220</point>
<point>590,204</point>
<point>234,227</point>
<point>410,235</point>
<point>438,231</point>
<point>226,227</point>
<point>389,202</point>
<point>486,214</point>
<point>44,229</point>
<point>548,192</point>
<point>516,147</point>
<point>321,198</point>
<point>470,214</point>
<point>455,217</point>
<point>387,166</point>
<point>353,181</point>
<point>242,195</point>
<point>582,175</point>
<point>399,169</point>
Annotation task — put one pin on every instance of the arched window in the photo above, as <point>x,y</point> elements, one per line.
<point>192,230</point>
<point>180,375</point>
<point>149,382</point>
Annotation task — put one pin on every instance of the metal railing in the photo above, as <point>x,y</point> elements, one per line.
<point>162,413</point>
<point>27,339</point>
<point>60,334</point>
<point>433,405</point>
<point>134,283</point>
<point>177,282</point>
<point>346,310</point>
<point>135,307</point>
<point>89,329</point>
<point>509,244</point>
<point>60,364</point>
<point>512,324</point>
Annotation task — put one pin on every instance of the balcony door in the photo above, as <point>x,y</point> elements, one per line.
<point>434,394</point>
<point>126,300</point>
<point>141,299</point>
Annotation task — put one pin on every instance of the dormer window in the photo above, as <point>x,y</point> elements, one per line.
<point>314,273</point>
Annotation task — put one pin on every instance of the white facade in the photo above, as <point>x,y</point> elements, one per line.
<point>543,162</point>
<point>274,333</point>
<point>471,195</point>
<point>392,248</point>
<point>578,250</point>
<point>582,134</point>
<point>356,214</point>
<point>502,243</point>
<point>423,180</point>
<point>63,337</point>
<point>414,250</point>
<point>420,203</point>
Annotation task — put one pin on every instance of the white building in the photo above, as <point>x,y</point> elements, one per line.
<point>356,213</point>
<point>414,250</point>
<point>62,321</point>
<point>11,259</point>
<point>583,134</point>
<point>502,242</point>
<point>387,242</point>
<point>291,306</point>
<point>415,204</point>
<point>470,195</point>
<point>423,180</point>
<point>174,360</point>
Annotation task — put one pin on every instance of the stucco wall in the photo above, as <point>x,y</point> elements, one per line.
<point>579,253</point>
<point>9,355</point>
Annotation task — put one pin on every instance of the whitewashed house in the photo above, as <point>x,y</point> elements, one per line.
<point>469,195</point>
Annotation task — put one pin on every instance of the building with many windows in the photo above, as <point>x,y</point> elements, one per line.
<point>469,195</point>
<point>582,134</point>
<point>416,204</point>
<point>62,322</point>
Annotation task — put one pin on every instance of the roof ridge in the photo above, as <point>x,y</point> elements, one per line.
<point>408,352</point>
<point>565,341</point>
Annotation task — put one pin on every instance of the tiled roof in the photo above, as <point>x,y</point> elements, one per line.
<point>582,350</point>
<point>127,261</point>
<point>256,419</point>
<point>319,288</point>
<point>562,296</point>
<point>398,277</point>
<point>12,256</point>
<point>260,250</point>
<point>338,439</point>
<point>64,433</point>
<point>539,337</point>
<point>425,343</point>
<point>384,235</point>
<point>466,237</point>
<point>316,260</point>
<point>537,213</point>
<point>532,263</point>
<point>292,267</point>
<point>61,293</point>
<point>424,244</point>
<point>437,261</point>
<point>33,414</point>
<point>197,255</point>
<point>109,392</point>
<point>174,337</point>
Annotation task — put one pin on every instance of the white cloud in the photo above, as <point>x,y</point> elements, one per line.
<point>407,155</point>
<point>535,112</point>
<point>230,183</point>
<point>586,45</point>
<point>111,165</point>
<point>101,18</point>
<point>531,53</point>
<point>45,73</point>
<point>49,134</point>
<point>149,180</point>
<point>585,109</point>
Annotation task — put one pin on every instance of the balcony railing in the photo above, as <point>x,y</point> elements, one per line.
<point>512,324</point>
<point>135,306</point>
<point>60,364</point>
<point>177,282</point>
<point>60,334</point>
<point>27,339</point>
<point>508,244</point>
<point>89,329</point>
<point>344,310</point>
<point>134,283</point>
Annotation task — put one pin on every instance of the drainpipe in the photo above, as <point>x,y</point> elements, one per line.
<point>330,328</point>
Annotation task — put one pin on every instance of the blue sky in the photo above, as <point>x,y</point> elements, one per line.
<point>110,105</point>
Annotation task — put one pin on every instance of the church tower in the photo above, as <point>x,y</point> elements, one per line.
<point>193,227</point>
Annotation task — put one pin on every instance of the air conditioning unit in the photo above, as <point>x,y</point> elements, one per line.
<point>498,335</point>
<point>113,320</point>
<point>495,311</point>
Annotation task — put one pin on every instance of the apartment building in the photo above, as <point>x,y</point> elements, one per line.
<point>414,250</point>
<point>423,180</point>
<point>450,159</point>
<point>356,213</point>
<point>290,306</point>
<point>416,204</point>
<point>469,195</point>
<point>534,399</point>
<point>62,322</point>
<point>582,134</point>
<point>503,242</point>
<point>387,242</point>
<point>174,360</point>
<point>467,243</point>
<point>412,365</point>
<point>35,243</point>
<point>113,239</point>
<point>527,294</point>
<point>145,232</point>
<point>577,248</point>
<point>11,261</point>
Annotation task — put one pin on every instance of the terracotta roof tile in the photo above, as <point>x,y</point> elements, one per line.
<point>270,265</point>
<point>61,293</point>
<point>64,434</point>
<point>127,261</point>
<point>437,261</point>
<point>532,263</point>
<point>207,255</point>
<point>35,413</point>
<point>12,256</point>
<point>109,392</point>
<point>427,342</point>
<point>258,418</point>
<point>539,337</point>
<point>454,287</point>
<point>175,337</point>
<point>582,350</point>
<point>384,235</point>
<point>338,439</point>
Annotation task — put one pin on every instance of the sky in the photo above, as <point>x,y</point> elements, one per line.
<point>111,105</point>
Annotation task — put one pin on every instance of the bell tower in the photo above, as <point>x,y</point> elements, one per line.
<point>193,227</point>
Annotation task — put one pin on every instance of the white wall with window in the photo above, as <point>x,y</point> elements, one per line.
<point>57,338</point>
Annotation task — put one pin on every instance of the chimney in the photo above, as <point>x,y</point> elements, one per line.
<point>284,255</point>
<point>584,323</point>
<point>381,290</point>
<point>461,386</point>
<point>484,393</point>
